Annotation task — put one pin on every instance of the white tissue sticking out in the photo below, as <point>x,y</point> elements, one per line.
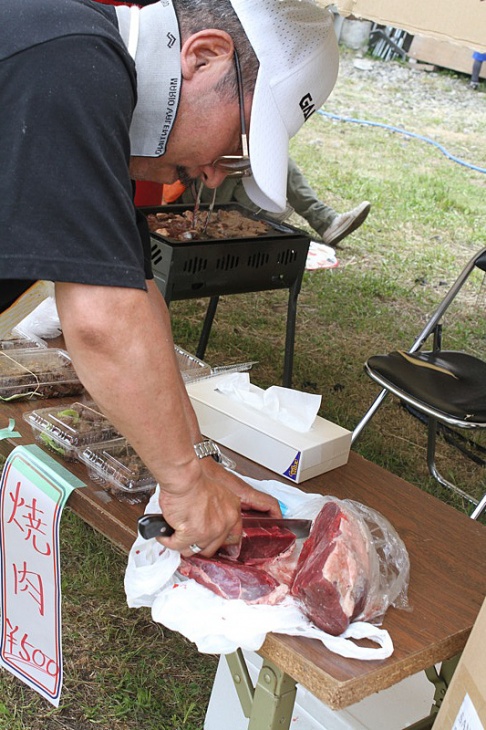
<point>293,408</point>
<point>43,321</point>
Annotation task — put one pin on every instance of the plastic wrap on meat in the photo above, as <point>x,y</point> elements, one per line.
<point>333,572</point>
<point>233,580</point>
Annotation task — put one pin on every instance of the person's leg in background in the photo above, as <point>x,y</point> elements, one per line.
<point>331,226</point>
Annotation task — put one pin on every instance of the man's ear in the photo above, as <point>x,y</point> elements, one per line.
<point>204,51</point>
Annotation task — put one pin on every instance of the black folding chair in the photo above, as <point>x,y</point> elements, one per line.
<point>447,386</point>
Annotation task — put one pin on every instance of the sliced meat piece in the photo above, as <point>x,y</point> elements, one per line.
<point>284,567</point>
<point>260,544</point>
<point>333,572</point>
<point>231,580</point>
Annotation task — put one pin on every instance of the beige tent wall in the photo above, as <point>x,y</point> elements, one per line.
<point>444,54</point>
<point>462,22</point>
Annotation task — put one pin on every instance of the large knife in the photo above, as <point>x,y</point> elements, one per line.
<point>154,525</point>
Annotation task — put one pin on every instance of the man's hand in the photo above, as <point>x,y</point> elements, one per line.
<point>208,515</point>
<point>250,499</point>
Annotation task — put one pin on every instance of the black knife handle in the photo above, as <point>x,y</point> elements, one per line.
<point>154,526</point>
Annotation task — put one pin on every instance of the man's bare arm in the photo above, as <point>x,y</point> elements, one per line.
<point>122,349</point>
<point>249,497</point>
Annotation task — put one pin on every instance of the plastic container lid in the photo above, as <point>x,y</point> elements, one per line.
<point>117,466</point>
<point>37,372</point>
<point>68,428</point>
<point>19,342</point>
<point>191,367</point>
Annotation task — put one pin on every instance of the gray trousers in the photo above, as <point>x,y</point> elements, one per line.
<point>301,198</point>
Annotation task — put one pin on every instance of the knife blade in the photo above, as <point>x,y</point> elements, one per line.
<point>297,525</point>
<point>154,525</point>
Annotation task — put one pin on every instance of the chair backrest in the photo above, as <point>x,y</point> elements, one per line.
<point>481,259</point>
<point>477,261</point>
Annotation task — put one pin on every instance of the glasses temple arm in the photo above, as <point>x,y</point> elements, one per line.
<point>241,99</point>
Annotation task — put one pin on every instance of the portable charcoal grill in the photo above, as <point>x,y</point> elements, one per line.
<point>216,267</point>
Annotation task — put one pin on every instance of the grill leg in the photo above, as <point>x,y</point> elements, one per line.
<point>294,291</point>
<point>206,328</point>
<point>290,334</point>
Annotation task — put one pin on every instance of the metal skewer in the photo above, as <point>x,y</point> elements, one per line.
<point>210,211</point>
<point>197,204</point>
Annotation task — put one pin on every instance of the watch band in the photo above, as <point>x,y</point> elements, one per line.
<point>208,448</point>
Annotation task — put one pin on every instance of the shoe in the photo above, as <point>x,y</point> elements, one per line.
<point>473,85</point>
<point>345,224</point>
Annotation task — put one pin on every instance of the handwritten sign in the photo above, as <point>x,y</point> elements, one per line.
<point>467,718</point>
<point>33,491</point>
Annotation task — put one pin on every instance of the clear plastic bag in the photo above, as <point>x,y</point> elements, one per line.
<point>352,567</point>
<point>42,322</point>
<point>391,564</point>
<point>220,626</point>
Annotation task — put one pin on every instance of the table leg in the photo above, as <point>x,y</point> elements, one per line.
<point>270,704</point>
<point>441,680</point>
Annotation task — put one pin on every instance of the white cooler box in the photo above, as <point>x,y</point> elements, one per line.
<point>292,454</point>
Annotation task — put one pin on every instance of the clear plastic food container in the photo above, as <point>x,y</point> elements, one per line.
<point>116,466</point>
<point>37,373</point>
<point>19,342</point>
<point>191,367</point>
<point>67,428</point>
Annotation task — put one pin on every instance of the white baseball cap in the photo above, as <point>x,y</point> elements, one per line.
<point>296,47</point>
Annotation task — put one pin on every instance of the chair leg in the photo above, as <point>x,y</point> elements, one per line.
<point>478,511</point>
<point>368,415</point>
<point>431,446</point>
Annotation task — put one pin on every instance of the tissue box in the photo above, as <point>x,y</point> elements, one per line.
<point>250,432</point>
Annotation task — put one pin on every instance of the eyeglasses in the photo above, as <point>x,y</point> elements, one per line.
<point>237,165</point>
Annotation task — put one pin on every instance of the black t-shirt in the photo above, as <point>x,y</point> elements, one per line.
<point>67,93</point>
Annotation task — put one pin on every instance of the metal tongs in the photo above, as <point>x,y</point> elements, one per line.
<point>210,212</point>
<point>197,206</point>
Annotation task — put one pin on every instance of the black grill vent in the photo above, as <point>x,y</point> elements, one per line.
<point>156,253</point>
<point>194,265</point>
<point>258,259</point>
<point>227,262</point>
<point>287,257</point>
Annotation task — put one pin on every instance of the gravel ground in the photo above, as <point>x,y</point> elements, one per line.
<point>438,104</point>
<point>410,85</point>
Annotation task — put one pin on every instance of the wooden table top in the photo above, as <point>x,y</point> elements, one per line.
<point>447,583</point>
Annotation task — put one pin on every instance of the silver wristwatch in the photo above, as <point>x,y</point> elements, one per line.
<point>210,448</point>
